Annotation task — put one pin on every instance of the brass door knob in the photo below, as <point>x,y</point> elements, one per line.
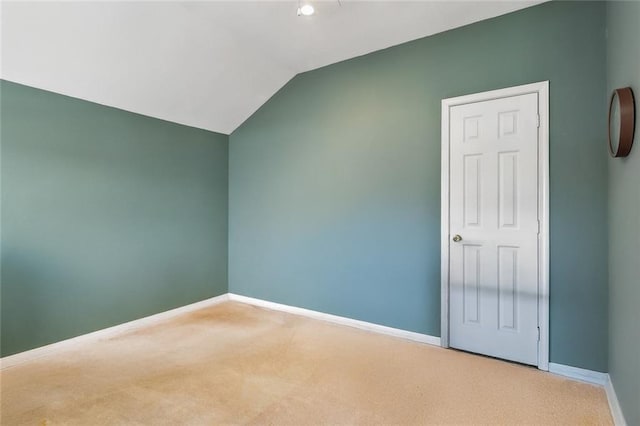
<point>457,238</point>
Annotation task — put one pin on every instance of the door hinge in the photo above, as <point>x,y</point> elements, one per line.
<point>538,334</point>
<point>538,226</point>
<point>538,120</point>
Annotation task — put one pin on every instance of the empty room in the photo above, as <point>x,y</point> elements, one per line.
<point>313,212</point>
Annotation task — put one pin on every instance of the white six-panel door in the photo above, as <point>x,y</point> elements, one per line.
<point>494,227</point>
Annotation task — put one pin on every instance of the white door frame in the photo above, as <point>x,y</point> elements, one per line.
<point>542,89</point>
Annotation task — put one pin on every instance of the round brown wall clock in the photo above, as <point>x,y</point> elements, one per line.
<point>622,117</point>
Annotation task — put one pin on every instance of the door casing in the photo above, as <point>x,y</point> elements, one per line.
<point>542,89</point>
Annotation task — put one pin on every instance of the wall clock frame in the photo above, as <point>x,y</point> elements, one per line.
<point>621,122</point>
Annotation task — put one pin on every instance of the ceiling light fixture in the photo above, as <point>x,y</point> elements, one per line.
<point>306,9</point>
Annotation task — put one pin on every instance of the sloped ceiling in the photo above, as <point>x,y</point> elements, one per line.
<point>205,64</point>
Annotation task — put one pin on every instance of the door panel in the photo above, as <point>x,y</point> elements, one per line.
<point>471,192</point>
<point>493,278</point>
<point>508,190</point>
<point>471,283</point>
<point>507,288</point>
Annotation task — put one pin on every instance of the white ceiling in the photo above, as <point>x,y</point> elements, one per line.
<point>205,64</point>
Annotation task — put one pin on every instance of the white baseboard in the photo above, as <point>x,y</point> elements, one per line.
<point>22,357</point>
<point>614,405</point>
<point>362,325</point>
<point>589,376</point>
<point>595,378</point>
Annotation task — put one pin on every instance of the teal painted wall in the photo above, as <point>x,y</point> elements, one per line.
<point>107,216</point>
<point>623,60</point>
<point>335,182</point>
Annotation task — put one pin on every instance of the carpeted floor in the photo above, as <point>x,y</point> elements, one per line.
<point>238,364</point>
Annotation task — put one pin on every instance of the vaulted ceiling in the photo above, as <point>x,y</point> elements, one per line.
<point>205,64</point>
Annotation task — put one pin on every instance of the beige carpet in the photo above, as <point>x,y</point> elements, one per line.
<point>238,364</point>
